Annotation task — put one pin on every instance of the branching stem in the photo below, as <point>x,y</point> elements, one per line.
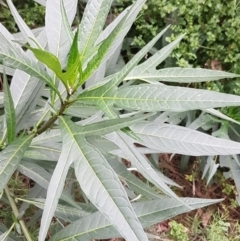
<point>51,121</point>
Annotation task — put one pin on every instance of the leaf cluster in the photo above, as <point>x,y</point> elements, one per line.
<point>72,113</point>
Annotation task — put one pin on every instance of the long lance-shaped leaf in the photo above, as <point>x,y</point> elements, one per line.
<point>36,31</point>
<point>102,186</point>
<point>4,236</point>
<point>24,87</point>
<point>25,30</point>
<point>176,139</point>
<point>118,77</point>
<point>221,115</point>
<point>145,151</point>
<point>30,114</point>
<point>48,152</point>
<point>9,111</point>
<point>92,23</point>
<point>10,158</point>
<point>140,162</point>
<point>149,213</point>
<point>55,29</point>
<point>168,98</point>
<point>132,181</point>
<point>180,75</point>
<point>73,52</point>
<point>42,177</point>
<point>135,60</point>
<point>13,56</point>
<point>51,136</point>
<point>94,63</point>
<point>134,10</point>
<point>52,62</point>
<point>107,126</point>
<point>49,59</point>
<point>67,25</point>
<point>35,172</point>
<point>148,66</point>
<point>65,212</point>
<point>49,141</point>
<point>57,183</point>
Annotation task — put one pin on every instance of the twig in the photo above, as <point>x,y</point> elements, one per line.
<point>16,214</point>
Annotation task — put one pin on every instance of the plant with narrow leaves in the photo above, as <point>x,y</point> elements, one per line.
<point>67,118</point>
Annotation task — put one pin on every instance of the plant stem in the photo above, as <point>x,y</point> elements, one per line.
<point>16,214</point>
<point>47,125</point>
<point>51,121</point>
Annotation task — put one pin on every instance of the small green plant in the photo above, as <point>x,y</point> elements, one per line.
<point>72,111</point>
<point>218,228</point>
<point>178,231</point>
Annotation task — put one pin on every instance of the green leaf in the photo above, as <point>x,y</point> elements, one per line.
<point>56,184</point>
<point>91,168</point>
<point>179,75</point>
<point>92,23</point>
<point>134,11</point>
<point>50,60</point>
<point>9,110</point>
<point>168,98</point>
<point>73,52</point>
<point>96,226</point>
<point>93,64</point>
<point>74,66</point>
<point>10,158</point>
<point>70,76</point>
<point>107,126</point>
<point>168,138</point>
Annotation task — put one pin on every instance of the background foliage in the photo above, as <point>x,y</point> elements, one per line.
<point>31,12</point>
<point>213,35</point>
